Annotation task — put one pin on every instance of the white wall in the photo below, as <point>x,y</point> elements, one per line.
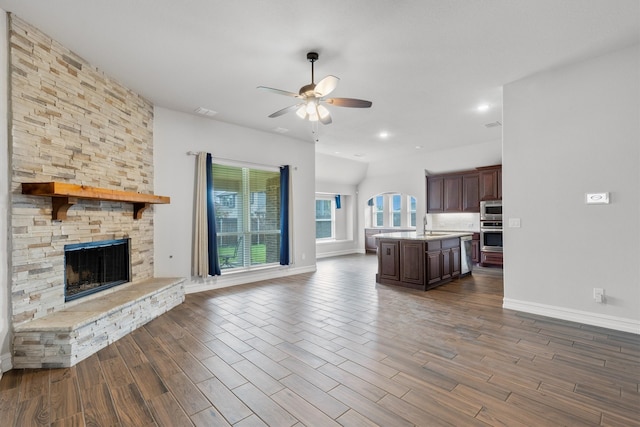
<point>5,311</point>
<point>346,219</point>
<point>567,132</point>
<point>176,133</point>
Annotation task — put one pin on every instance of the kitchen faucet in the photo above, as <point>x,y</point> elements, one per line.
<point>424,220</point>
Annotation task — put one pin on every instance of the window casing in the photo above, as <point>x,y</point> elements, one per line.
<point>247,208</point>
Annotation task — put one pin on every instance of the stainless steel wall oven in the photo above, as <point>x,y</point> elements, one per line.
<point>491,237</point>
<point>491,226</point>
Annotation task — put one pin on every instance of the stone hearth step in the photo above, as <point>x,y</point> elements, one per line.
<point>65,337</point>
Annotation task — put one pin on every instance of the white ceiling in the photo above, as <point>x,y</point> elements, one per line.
<point>425,64</point>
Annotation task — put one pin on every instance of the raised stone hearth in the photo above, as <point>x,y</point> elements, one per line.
<point>65,337</point>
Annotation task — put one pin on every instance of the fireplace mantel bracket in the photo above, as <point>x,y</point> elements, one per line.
<point>60,206</point>
<point>64,195</point>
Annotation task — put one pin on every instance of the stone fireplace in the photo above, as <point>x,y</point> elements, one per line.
<point>73,124</point>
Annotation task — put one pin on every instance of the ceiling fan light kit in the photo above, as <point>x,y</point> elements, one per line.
<point>313,97</point>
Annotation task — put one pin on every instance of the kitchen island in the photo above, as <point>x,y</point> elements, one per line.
<point>418,261</point>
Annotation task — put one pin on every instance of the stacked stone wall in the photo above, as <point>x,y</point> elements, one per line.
<point>71,123</point>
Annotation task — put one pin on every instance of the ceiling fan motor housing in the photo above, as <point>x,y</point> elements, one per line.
<point>307,90</point>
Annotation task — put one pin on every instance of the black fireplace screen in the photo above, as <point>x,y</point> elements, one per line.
<point>95,266</point>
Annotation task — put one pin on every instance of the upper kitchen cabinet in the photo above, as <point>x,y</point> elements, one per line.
<point>457,192</point>
<point>490,182</point>
<point>471,192</point>
<point>435,194</point>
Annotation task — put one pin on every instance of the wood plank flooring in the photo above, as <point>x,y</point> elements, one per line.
<point>333,348</point>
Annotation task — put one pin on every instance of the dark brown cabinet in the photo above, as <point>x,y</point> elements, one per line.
<point>434,268</point>
<point>463,191</point>
<point>435,194</point>
<point>454,261</point>
<point>491,259</point>
<point>475,248</point>
<point>416,263</point>
<point>388,260</point>
<point>442,260</point>
<point>412,267</point>
<point>471,192</point>
<point>490,182</point>
<point>453,193</point>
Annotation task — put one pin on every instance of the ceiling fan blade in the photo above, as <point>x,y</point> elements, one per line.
<point>285,110</point>
<point>323,115</point>
<point>349,102</point>
<point>279,91</point>
<point>326,86</point>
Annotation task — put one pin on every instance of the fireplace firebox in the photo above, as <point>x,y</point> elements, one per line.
<point>95,266</point>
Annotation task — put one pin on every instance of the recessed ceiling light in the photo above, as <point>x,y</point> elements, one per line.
<point>280,130</point>
<point>358,155</point>
<point>383,134</point>
<point>205,112</point>
<point>418,147</point>
<point>336,152</point>
<point>482,108</point>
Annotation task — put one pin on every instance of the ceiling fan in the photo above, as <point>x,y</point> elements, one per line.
<point>313,97</point>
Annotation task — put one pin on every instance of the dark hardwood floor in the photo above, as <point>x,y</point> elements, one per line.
<point>334,348</point>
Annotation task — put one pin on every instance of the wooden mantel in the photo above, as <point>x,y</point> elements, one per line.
<point>64,195</point>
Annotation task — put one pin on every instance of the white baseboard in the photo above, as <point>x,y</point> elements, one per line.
<point>231,279</point>
<point>585,317</point>
<point>5,362</point>
<point>336,253</point>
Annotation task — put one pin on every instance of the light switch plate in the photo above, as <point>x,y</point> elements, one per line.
<point>596,198</point>
<point>514,222</point>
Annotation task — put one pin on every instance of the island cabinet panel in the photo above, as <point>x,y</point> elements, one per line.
<point>411,266</point>
<point>442,261</point>
<point>454,261</point>
<point>434,272</point>
<point>388,260</point>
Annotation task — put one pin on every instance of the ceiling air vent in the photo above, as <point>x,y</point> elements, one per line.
<point>205,112</point>
<point>493,125</point>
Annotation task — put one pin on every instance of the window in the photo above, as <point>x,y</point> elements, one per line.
<point>247,207</point>
<point>390,210</point>
<point>378,211</point>
<point>396,210</point>
<point>325,218</point>
<point>412,210</point>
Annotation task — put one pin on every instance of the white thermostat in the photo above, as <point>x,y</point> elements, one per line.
<point>596,198</point>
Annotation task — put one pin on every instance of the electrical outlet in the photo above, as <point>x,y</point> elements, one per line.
<point>598,295</point>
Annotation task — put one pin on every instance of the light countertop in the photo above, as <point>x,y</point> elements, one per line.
<point>413,235</point>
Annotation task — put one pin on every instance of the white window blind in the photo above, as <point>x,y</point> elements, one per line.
<point>247,208</point>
